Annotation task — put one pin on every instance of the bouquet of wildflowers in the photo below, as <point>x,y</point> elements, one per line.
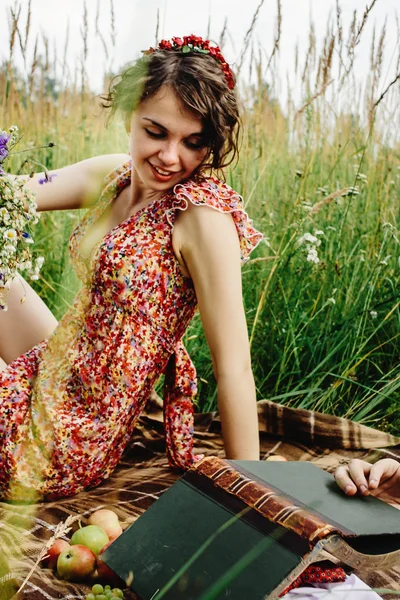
<point>17,215</point>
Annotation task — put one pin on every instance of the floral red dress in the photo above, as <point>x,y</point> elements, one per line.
<point>68,406</point>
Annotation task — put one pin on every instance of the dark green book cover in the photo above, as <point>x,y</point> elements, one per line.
<point>195,512</point>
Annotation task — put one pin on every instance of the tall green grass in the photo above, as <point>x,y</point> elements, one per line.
<point>324,335</point>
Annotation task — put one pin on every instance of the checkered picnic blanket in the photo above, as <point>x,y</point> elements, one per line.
<point>143,475</point>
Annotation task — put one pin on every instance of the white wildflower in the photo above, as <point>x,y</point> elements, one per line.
<point>352,191</point>
<point>373,314</point>
<point>10,235</point>
<point>318,232</point>
<point>312,255</point>
<point>331,228</point>
<point>308,238</point>
<point>4,215</point>
<point>323,190</point>
<point>362,177</point>
<point>39,261</point>
<point>26,265</point>
<point>9,249</point>
<point>384,262</point>
<point>331,301</point>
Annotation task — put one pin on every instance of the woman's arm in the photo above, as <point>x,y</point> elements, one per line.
<point>74,186</point>
<point>209,246</point>
<point>381,479</point>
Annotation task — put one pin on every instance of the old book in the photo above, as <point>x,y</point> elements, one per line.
<point>253,527</point>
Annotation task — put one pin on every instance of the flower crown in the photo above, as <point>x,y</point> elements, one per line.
<point>193,43</point>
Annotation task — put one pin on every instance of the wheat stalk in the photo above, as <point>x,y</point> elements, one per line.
<point>61,529</point>
<point>314,97</point>
<point>98,32</point>
<point>277,36</point>
<point>33,67</point>
<point>395,80</point>
<point>248,35</point>
<point>113,29</point>
<point>223,33</point>
<point>315,208</point>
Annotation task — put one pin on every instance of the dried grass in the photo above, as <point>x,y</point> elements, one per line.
<point>248,36</point>
<point>62,529</point>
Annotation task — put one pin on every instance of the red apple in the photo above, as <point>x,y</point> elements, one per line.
<point>107,520</point>
<point>76,563</point>
<point>91,536</point>
<point>107,575</point>
<point>54,552</point>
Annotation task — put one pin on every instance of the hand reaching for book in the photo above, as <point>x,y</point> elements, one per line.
<point>381,479</point>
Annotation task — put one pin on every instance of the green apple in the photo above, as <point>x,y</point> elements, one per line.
<point>91,536</point>
<point>76,563</point>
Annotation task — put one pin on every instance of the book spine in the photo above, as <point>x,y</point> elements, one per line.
<point>265,500</point>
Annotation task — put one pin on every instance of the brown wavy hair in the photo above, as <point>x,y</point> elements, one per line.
<point>199,82</point>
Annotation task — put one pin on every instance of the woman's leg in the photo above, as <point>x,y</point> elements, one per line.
<point>23,325</point>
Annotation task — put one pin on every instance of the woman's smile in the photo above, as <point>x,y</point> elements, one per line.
<point>162,175</point>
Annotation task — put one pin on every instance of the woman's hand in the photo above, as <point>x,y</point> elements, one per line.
<point>381,479</point>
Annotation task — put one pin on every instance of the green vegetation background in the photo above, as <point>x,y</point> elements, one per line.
<point>323,316</point>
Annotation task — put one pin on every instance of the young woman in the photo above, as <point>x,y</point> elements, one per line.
<point>160,238</point>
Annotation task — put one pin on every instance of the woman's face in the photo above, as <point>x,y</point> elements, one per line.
<point>167,141</point>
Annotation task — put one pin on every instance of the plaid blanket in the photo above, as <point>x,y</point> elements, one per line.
<point>143,475</point>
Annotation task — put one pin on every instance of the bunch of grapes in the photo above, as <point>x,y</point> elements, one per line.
<point>105,593</point>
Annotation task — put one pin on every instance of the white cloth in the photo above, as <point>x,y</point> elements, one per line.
<point>351,589</point>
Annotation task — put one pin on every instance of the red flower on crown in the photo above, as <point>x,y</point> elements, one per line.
<point>194,43</point>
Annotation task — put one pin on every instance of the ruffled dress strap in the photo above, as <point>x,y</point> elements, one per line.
<point>216,194</point>
<point>180,389</point>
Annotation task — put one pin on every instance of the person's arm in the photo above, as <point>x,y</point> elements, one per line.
<point>72,187</point>
<point>381,479</point>
<point>210,249</point>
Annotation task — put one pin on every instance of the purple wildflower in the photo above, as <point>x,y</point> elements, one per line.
<point>4,139</point>
<point>3,148</point>
<point>47,178</point>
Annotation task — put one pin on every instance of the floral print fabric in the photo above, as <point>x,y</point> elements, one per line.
<point>69,406</point>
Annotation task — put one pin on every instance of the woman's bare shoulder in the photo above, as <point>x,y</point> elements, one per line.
<point>74,186</point>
